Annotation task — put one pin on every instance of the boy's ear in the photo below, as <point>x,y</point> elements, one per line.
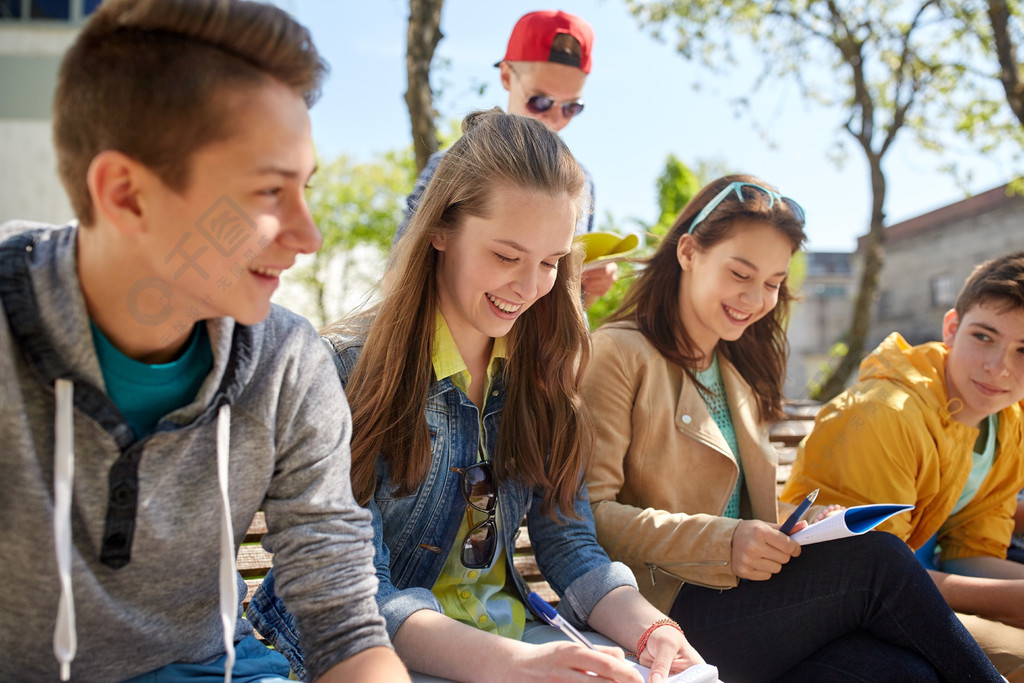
<point>950,324</point>
<point>115,182</point>
<point>506,75</point>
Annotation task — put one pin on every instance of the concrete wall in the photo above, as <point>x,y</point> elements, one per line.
<point>818,318</point>
<point>29,59</point>
<point>924,271</point>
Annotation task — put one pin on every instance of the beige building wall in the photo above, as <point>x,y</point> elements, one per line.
<point>929,257</point>
<point>818,318</point>
<point>30,56</point>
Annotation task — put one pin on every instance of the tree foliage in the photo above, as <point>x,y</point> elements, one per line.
<point>876,59</point>
<point>357,207</point>
<point>985,106</point>
<point>676,185</point>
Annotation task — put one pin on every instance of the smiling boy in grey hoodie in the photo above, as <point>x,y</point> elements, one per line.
<point>153,399</point>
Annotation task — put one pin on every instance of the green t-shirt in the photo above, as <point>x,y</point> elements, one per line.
<point>144,393</point>
<point>980,467</point>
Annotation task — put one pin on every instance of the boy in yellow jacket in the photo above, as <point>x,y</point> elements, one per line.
<point>941,426</point>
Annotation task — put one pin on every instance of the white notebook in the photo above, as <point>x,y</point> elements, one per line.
<point>698,673</point>
<point>850,522</point>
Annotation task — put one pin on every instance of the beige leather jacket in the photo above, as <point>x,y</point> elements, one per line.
<point>663,472</point>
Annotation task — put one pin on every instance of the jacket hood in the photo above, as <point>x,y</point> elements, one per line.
<point>46,311</point>
<point>47,314</point>
<point>920,370</point>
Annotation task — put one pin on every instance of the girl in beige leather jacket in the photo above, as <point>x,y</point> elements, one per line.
<point>683,382</point>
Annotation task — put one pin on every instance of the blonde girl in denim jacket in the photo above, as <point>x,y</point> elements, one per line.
<point>464,386</point>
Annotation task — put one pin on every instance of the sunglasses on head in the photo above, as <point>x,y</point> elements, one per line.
<point>746,191</point>
<point>478,489</point>
<point>538,104</point>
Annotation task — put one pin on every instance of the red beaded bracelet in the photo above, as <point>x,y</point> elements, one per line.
<point>641,644</point>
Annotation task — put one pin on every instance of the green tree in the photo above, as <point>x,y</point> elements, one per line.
<point>986,109</point>
<point>357,207</point>
<point>676,185</point>
<point>873,58</point>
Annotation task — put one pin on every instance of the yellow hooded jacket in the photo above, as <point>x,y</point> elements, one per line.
<point>892,438</point>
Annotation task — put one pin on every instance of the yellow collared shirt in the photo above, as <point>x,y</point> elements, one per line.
<point>474,596</point>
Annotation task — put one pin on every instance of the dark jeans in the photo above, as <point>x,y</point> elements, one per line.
<point>855,609</point>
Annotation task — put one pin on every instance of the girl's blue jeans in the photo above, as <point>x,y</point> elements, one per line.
<point>254,663</point>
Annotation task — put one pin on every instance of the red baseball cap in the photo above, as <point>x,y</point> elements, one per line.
<point>534,33</point>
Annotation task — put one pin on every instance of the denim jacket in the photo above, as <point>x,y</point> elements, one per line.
<point>413,534</point>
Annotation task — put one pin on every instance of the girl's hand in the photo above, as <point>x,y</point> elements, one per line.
<point>565,661</point>
<point>667,652</point>
<point>759,550</point>
<point>828,511</point>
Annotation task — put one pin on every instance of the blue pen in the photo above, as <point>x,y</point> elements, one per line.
<point>548,613</point>
<point>788,525</point>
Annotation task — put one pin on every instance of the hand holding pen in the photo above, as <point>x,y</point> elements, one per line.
<point>548,613</point>
<point>758,553</point>
<point>787,526</point>
<point>552,617</point>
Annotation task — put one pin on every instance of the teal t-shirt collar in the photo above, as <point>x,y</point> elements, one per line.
<point>145,392</point>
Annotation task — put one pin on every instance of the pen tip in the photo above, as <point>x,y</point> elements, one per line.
<point>814,494</point>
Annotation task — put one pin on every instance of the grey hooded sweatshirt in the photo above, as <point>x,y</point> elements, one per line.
<point>143,536</point>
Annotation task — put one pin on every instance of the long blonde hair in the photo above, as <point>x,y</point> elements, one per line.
<point>545,437</point>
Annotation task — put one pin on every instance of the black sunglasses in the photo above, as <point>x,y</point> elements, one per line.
<point>478,489</point>
<point>538,104</point>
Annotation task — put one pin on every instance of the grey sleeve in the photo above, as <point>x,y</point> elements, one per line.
<point>321,538</point>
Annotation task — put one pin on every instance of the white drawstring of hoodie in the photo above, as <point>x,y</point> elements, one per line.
<point>65,639</point>
<point>228,597</point>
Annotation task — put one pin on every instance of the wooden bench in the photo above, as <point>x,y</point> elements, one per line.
<point>787,433</point>
<point>254,562</point>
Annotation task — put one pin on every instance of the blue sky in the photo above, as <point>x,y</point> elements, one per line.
<point>641,106</point>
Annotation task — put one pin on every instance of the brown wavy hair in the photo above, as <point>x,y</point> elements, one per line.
<point>652,302</point>
<point>157,79</point>
<point>999,280</point>
<point>545,438</point>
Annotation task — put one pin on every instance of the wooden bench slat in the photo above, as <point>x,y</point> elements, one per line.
<point>542,589</point>
<point>256,530</point>
<point>789,432</point>
<point>526,565</point>
<point>523,540</point>
<point>253,561</point>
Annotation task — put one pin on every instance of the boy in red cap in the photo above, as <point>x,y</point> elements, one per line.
<point>546,63</point>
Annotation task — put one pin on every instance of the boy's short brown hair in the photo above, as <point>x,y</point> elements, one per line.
<point>158,79</point>
<point>999,280</point>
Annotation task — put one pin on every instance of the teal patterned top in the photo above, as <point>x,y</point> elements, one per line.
<point>718,405</point>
